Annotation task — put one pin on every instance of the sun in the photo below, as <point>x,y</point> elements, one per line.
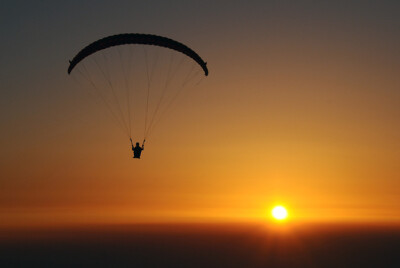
<point>279,213</point>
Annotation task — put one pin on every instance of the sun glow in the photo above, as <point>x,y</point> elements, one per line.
<point>279,213</point>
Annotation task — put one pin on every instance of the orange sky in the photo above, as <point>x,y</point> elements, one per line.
<point>302,112</point>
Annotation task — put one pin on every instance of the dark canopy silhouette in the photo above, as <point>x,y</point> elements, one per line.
<point>135,38</point>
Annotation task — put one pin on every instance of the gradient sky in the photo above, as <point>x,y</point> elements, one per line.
<point>301,108</point>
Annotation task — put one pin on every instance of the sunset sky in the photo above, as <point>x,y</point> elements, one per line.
<point>301,108</point>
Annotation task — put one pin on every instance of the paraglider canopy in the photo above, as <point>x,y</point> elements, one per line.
<point>136,38</point>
